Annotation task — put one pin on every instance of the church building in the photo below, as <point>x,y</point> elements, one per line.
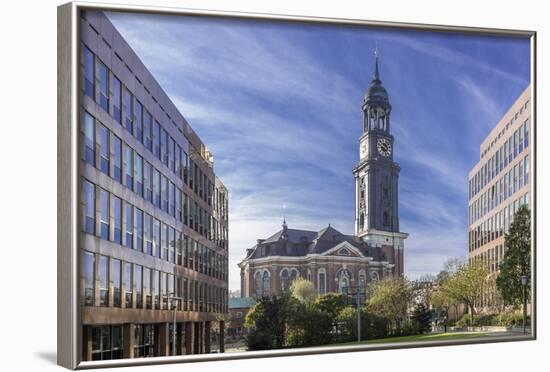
<point>329,258</point>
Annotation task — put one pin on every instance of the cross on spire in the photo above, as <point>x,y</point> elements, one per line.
<point>376,73</point>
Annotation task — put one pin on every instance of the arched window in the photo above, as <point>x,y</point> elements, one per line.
<point>361,220</point>
<point>386,221</point>
<point>258,284</point>
<point>266,284</point>
<point>344,277</point>
<point>284,280</point>
<point>362,278</point>
<point>374,276</point>
<point>293,275</point>
<point>321,281</point>
<point>309,275</point>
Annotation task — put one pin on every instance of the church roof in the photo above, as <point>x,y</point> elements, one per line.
<point>296,243</point>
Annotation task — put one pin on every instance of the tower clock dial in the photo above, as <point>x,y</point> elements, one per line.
<point>384,147</point>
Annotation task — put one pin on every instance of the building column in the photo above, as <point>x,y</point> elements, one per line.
<point>87,342</point>
<point>222,336</point>
<point>207,339</point>
<point>189,338</point>
<point>128,337</point>
<point>164,343</point>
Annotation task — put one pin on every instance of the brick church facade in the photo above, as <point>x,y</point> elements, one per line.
<point>328,258</point>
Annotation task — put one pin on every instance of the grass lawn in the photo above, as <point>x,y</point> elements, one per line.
<point>420,338</point>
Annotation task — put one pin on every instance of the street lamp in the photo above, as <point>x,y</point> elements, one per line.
<point>175,307</point>
<point>358,295</point>
<point>524,291</point>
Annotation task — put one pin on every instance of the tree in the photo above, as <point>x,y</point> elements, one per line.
<point>303,290</point>
<point>466,285</point>
<point>331,303</point>
<point>422,318</point>
<point>390,299</point>
<point>442,301</point>
<point>308,325</point>
<point>268,320</point>
<point>517,259</point>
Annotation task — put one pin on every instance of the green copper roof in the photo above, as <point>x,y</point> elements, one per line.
<point>241,302</point>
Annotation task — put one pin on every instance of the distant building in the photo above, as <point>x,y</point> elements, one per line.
<point>499,184</point>
<point>238,308</point>
<point>328,258</point>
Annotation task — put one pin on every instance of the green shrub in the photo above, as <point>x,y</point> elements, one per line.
<point>496,320</point>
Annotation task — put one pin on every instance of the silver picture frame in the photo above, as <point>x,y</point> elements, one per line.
<point>68,313</point>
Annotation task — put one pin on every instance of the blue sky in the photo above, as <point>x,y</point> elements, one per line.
<point>279,106</point>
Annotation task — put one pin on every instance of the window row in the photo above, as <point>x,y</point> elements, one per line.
<point>102,86</point>
<point>109,217</point>
<point>109,282</point>
<point>107,152</point>
<point>501,190</point>
<point>495,226</point>
<point>511,148</point>
<point>492,258</point>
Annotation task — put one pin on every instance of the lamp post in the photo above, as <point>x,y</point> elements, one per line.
<point>358,296</point>
<point>175,307</point>
<point>524,291</point>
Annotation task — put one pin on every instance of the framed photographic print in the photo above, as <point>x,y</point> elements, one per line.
<point>236,185</point>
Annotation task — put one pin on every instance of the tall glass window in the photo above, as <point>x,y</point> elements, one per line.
<point>156,238</point>
<point>103,147</point>
<point>103,75</point>
<point>104,214</point>
<point>520,174</point>
<point>88,139</point>
<point>117,158</point>
<point>147,181</point>
<point>89,67</point>
<point>138,282</point>
<point>178,161</point>
<point>148,234</point>
<point>171,244</point>
<point>106,342</point>
<point>139,230</point>
<point>128,284</point>
<point>89,207</point>
<point>88,277</point>
<point>103,270</point>
<point>515,143</point>
<point>171,155</point>
<point>520,139</point>
<point>156,291</point>
<point>128,167</point>
<point>172,199</point>
<point>515,178</point>
<point>322,283</point>
<point>139,174</point>
<point>163,241</point>
<point>156,139</point>
<point>148,131</point>
<point>117,99</point>
<point>178,205</point>
<point>115,278</point>
<point>156,187</point>
<point>526,130</point>
<point>164,290</point>
<point>117,214</point>
<point>147,288</point>
<point>138,116</point>
<point>164,193</point>
<point>129,242</point>
<point>164,146</point>
<point>526,167</point>
<point>128,109</point>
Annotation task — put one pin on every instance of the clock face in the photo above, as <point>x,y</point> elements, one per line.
<point>384,147</point>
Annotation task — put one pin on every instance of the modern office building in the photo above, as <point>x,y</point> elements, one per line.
<point>499,184</point>
<point>154,216</point>
<point>331,260</point>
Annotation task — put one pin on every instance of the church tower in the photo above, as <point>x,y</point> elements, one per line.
<point>377,174</point>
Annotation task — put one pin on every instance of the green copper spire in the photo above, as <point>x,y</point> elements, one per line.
<point>376,73</point>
